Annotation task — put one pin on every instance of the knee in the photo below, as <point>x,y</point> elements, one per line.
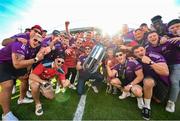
<point>7,86</point>
<point>148,83</point>
<point>137,91</point>
<point>34,85</point>
<point>50,97</point>
<point>114,81</point>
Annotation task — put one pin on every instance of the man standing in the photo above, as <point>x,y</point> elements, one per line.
<point>14,60</point>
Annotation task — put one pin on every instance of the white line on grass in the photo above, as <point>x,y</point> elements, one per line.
<point>80,109</point>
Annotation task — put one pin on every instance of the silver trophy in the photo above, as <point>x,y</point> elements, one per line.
<point>96,55</point>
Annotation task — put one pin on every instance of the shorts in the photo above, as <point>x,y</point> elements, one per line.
<point>8,72</point>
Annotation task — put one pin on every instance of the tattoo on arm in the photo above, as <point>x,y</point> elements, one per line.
<point>19,57</point>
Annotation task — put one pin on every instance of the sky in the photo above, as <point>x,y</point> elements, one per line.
<point>108,15</point>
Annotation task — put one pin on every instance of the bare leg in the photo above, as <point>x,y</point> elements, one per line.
<point>5,95</point>
<point>35,90</point>
<point>148,88</point>
<point>23,89</point>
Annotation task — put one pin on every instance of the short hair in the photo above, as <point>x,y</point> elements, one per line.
<point>58,54</point>
<point>27,30</point>
<point>151,33</point>
<point>138,29</point>
<point>44,31</point>
<point>143,24</point>
<point>120,50</point>
<point>135,47</point>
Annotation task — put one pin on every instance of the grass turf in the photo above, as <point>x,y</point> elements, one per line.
<point>101,106</point>
<point>105,106</point>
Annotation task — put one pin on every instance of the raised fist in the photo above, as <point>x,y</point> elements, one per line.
<point>67,23</point>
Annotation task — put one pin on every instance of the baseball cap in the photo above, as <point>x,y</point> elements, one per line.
<point>37,27</point>
<point>156,18</point>
<point>56,33</point>
<point>172,22</point>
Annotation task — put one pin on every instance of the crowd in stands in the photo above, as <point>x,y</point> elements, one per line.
<point>143,63</point>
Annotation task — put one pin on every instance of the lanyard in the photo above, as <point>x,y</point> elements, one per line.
<point>123,70</point>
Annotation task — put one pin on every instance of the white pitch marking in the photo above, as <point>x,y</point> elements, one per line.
<point>80,109</point>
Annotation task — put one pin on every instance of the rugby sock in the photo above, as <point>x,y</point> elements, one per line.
<point>147,103</point>
<point>140,100</point>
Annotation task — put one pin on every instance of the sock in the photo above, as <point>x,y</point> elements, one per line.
<point>140,100</point>
<point>57,86</point>
<point>147,103</point>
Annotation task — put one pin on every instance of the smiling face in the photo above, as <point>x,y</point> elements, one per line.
<point>110,53</point>
<point>157,24</point>
<point>175,29</point>
<point>144,28</point>
<point>120,57</point>
<point>65,42</point>
<point>139,52</point>
<point>153,38</point>
<point>59,62</point>
<point>138,34</point>
<point>35,41</point>
<point>34,31</point>
<point>78,43</point>
<point>88,36</point>
<point>87,50</point>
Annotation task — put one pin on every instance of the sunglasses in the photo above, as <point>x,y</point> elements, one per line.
<point>35,40</point>
<point>60,62</point>
<point>36,31</point>
<point>79,43</point>
<point>117,55</point>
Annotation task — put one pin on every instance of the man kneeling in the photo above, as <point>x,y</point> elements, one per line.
<point>40,79</point>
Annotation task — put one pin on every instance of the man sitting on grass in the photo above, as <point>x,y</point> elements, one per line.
<point>40,79</point>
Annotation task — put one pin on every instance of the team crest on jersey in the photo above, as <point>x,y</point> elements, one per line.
<point>23,47</point>
<point>128,68</point>
<point>164,48</point>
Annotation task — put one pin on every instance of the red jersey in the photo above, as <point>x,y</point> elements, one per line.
<point>71,60</point>
<point>113,61</point>
<point>46,73</point>
<point>89,43</point>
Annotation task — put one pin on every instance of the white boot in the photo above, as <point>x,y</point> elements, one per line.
<point>170,107</point>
